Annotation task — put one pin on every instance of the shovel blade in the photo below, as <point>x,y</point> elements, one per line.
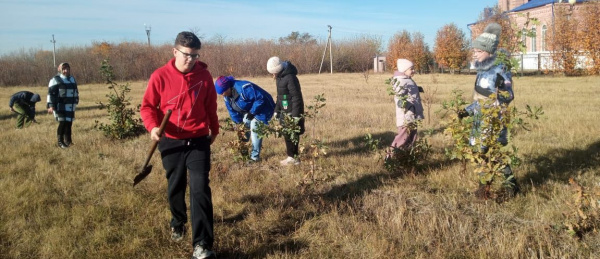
<point>145,172</point>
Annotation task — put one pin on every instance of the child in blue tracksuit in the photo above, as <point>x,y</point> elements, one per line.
<point>247,103</point>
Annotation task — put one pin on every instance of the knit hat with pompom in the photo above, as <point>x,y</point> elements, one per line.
<point>488,40</point>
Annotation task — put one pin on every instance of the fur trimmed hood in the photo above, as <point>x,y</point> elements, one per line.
<point>491,61</point>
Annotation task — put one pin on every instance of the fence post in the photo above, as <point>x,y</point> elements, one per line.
<point>522,64</point>
<point>539,63</point>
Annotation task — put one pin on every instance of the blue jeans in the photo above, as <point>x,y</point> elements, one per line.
<point>256,141</point>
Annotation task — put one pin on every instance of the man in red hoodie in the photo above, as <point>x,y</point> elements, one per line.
<point>185,86</point>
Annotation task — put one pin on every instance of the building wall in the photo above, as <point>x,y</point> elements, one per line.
<point>506,5</point>
<point>544,14</point>
<point>539,57</point>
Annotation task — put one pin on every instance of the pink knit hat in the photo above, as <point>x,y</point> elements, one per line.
<point>403,65</point>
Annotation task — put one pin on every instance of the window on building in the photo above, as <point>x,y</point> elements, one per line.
<point>534,39</point>
<point>544,29</point>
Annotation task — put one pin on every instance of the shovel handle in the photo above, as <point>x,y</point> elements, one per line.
<point>161,129</point>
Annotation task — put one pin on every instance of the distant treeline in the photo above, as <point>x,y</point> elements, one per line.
<point>133,61</point>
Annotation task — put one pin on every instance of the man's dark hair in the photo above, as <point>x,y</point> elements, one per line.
<point>188,39</point>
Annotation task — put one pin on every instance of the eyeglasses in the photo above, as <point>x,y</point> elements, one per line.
<point>476,51</point>
<point>188,55</point>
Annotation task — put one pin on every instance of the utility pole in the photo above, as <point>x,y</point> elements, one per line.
<point>148,29</point>
<point>330,55</point>
<point>54,49</point>
<point>325,51</point>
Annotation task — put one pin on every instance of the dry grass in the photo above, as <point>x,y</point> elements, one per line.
<point>79,203</point>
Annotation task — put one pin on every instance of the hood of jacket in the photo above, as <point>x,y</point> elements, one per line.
<point>288,69</point>
<point>490,61</point>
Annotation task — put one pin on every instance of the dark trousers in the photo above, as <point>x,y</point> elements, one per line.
<point>179,157</point>
<point>291,147</point>
<point>64,128</point>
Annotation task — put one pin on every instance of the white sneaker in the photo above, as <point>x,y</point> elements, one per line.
<point>201,253</point>
<point>289,161</point>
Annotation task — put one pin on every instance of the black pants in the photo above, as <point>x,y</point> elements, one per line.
<point>291,147</point>
<point>64,128</point>
<point>179,157</point>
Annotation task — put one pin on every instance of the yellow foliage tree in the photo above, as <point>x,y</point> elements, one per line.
<point>589,35</point>
<point>101,49</point>
<point>450,49</point>
<point>411,47</point>
<point>421,54</point>
<point>399,47</point>
<point>564,43</point>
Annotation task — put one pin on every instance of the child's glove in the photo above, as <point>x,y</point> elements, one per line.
<point>463,114</point>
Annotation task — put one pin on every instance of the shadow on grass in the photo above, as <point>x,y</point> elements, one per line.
<point>561,164</point>
<point>277,236</point>
<point>287,246</point>
<point>300,206</point>
<point>42,111</point>
<point>357,145</point>
<point>367,183</point>
<point>92,107</point>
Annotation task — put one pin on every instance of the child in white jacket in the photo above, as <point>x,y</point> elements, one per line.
<point>408,105</point>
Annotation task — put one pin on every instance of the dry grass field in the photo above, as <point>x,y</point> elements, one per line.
<point>80,203</point>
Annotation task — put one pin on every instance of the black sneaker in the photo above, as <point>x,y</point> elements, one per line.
<point>177,233</point>
<point>201,253</point>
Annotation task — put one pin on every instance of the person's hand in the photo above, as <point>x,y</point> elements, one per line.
<point>50,110</point>
<point>12,110</point>
<point>462,114</point>
<point>154,134</point>
<point>212,138</point>
<point>249,116</point>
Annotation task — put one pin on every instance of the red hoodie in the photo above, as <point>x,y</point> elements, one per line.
<point>191,97</point>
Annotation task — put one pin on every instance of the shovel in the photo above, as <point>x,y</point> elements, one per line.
<point>148,168</point>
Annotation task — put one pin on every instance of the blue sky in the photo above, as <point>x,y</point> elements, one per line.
<point>30,24</point>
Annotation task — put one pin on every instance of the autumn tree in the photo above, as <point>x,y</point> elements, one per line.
<point>451,47</point>
<point>564,42</point>
<point>589,35</point>
<point>399,47</point>
<point>409,46</point>
<point>421,56</point>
